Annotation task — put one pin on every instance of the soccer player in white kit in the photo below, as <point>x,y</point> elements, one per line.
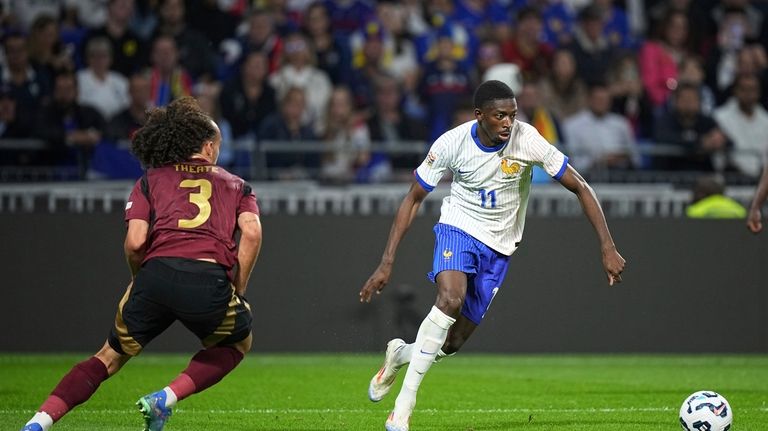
<point>481,225</point>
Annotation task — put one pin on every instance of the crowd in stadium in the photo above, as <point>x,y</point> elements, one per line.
<point>621,86</point>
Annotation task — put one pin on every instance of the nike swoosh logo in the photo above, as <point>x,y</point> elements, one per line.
<point>463,172</point>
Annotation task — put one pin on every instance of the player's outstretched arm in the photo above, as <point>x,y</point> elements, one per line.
<point>403,219</point>
<point>248,249</point>
<point>135,244</point>
<point>755,216</point>
<point>613,263</point>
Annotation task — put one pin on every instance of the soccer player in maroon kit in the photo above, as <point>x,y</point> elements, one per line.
<point>183,217</point>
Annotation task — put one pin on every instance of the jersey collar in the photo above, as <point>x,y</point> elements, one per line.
<point>480,144</point>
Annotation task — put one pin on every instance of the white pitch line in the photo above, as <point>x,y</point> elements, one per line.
<point>373,410</point>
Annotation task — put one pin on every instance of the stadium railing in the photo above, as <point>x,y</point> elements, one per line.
<point>311,198</point>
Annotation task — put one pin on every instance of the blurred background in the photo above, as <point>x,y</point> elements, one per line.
<point>326,107</point>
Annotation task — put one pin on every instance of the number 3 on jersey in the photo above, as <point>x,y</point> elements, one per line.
<point>486,196</point>
<point>200,199</point>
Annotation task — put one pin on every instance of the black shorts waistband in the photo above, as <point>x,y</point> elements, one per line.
<point>191,265</point>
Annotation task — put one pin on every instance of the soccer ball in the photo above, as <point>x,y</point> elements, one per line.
<point>706,411</point>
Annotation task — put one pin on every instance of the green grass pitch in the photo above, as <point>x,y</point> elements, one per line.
<point>467,392</point>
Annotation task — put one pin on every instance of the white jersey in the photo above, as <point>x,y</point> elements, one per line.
<point>489,192</point>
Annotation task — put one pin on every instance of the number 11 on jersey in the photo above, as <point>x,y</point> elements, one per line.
<point>487,195</point>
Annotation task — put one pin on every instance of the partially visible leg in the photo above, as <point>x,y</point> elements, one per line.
<point>227,338</point>
<point>207,368</point>
<point>459,333</point>
<point>77,386</point>
<point>452,286</point>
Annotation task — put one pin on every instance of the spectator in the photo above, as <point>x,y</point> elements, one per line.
<point>599,139</point>
<point>70,130</point>
<point>443,84</point>
<point>284,128</point>
<point>733,50</point>
<point>745,122</point>
<point>559,21</point>
<point>261,36</point>
<point>11,125</point>
<point>484,18</point>
<point>194,50</point>
<point>694,135</point>
<point>348,157</point>
<point>659,58</point>
<point>28,87</point>
<point>25,11</point>
<point>753,60</point>
<point>530,109</point>
<point>399,51</point>
<point>123,125</point>
<point>46,52</point>
<point>348,15</point>
<point>464,43</point>
<point>285,20</point>
<point>169,80</point>
<point>691,71</point>
<point>207,95</point>
<point>298,71</point>
<point>488,55</point>
<point>628,96</point>
<point>368,65</point>
<point>209,18</point>
<point>389,124</point>
<point>526,48</point>
<point>616,28</point>
<point>98,87</point>
<point>590,47</point>
<point>709,201</point>
<point>129,52</point>
<point>564,92</point>
<point>332,54</point>
<point>247,99</point>
<point>89,13</point>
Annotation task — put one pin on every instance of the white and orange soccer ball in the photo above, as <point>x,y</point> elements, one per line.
<point>706,411</point>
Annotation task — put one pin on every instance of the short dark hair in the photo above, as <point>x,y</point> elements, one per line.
<point>492,90</point>
<point>172,133</point>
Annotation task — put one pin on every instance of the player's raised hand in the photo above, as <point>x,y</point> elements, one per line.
<point>755,221</point>
<point>376,282</point>
<point>614,266</point>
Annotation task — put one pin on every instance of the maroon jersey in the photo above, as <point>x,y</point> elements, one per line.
<point>192,208</point>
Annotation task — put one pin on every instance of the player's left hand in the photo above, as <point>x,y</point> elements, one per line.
<point>376,282</point>
<point>614,266</point>
<point>755,221</point>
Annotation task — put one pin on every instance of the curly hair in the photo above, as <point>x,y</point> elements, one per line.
<point>172,133</point>
<point>491,90</point>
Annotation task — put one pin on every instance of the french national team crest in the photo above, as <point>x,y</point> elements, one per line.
<point>510,167</point>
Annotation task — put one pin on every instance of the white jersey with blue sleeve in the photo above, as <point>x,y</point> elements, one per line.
<point>490,188</point>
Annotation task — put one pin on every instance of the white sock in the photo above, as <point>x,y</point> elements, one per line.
<point>42,419</point>
<point>170,397</point>
<point>431,336</point>
<point>403,355</point>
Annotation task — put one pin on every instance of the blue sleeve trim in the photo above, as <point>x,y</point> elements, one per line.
<point>560,173</point>
<point>423,183</point>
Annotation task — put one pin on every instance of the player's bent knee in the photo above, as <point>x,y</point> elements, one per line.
<point>449,304</point>
<point>244,346</point>
<point>111,358</point>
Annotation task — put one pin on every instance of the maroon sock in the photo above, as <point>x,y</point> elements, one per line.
<point>75,388</point>
<point>206,369</point>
